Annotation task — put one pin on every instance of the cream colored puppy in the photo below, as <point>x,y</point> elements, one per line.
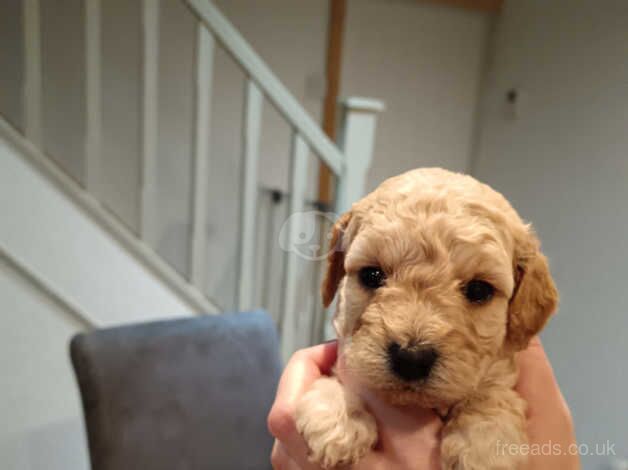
<point>440,283</point>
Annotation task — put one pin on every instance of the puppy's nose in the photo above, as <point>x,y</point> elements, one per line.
<point>411,364</point>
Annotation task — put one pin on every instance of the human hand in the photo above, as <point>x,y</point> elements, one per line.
<point>549,424</point>
<point>409,437</point>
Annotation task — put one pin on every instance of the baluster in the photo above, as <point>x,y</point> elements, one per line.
<point>148,194</point>
<point>32,73</point>
<point>252,124</point>
<point>198,251</point>
<point>93,95</point>
<point>290,310</point>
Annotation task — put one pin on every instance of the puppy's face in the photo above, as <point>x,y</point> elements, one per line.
<point>437,278</point>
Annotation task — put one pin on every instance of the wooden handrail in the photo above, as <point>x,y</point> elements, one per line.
<point>335,28</point>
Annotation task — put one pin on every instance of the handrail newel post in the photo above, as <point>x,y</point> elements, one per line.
<point>356,140</point>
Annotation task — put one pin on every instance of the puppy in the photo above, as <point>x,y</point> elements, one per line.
<point>440,284</point>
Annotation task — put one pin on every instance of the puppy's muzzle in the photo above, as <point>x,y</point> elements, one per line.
<point>411,364</point>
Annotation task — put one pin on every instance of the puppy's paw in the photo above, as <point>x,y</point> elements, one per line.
<point>334,423</point>
<point>487,433</point>
<point>478,443</point>
<point>476,454</point>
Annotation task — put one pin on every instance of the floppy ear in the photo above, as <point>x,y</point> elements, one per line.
<point>535,297</point>
<point>335,260</point>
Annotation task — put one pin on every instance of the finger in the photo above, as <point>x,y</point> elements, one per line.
<point>537,382</point>
<point>302,370</point>
<point>549,418</point>
<point>547,409</point>
<point>280,459</point>
<point>298,457</point>
<point>534,366</point>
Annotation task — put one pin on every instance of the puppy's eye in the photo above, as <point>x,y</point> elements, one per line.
<point>371,277</point>
<point>478,292</point>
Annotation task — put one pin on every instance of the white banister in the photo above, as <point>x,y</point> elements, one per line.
<point>32,73</point>
<point>290,310</point>
<point>272,87</point>
<point>357,138</point>
<point>349,161</point>
<point>251,137</point>
<point>198,251</point>
<point>93,93</point>
<point>148,215</point>
<point>105,219</point>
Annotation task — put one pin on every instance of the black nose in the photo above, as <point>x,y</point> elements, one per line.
<point>411,363</point>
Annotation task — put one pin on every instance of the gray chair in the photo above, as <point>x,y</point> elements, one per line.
<point>189,394</point>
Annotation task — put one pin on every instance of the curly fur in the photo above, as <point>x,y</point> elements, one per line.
<point>431,231</point>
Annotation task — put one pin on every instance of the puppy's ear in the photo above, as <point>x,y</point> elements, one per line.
<point>535,297</point>
<point>335,260</point>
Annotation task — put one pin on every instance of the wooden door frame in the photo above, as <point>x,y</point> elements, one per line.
<point>335,31</point>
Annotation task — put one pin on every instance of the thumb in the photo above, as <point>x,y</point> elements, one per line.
<point>537,383</point>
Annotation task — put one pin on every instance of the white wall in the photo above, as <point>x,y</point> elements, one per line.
<point>563,164</point>
<point>42,423</point>
<point>425,62</point>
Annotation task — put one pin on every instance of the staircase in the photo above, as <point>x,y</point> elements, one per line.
<point>271,269</point>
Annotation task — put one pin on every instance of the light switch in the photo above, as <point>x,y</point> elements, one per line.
<point>514,102</point>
